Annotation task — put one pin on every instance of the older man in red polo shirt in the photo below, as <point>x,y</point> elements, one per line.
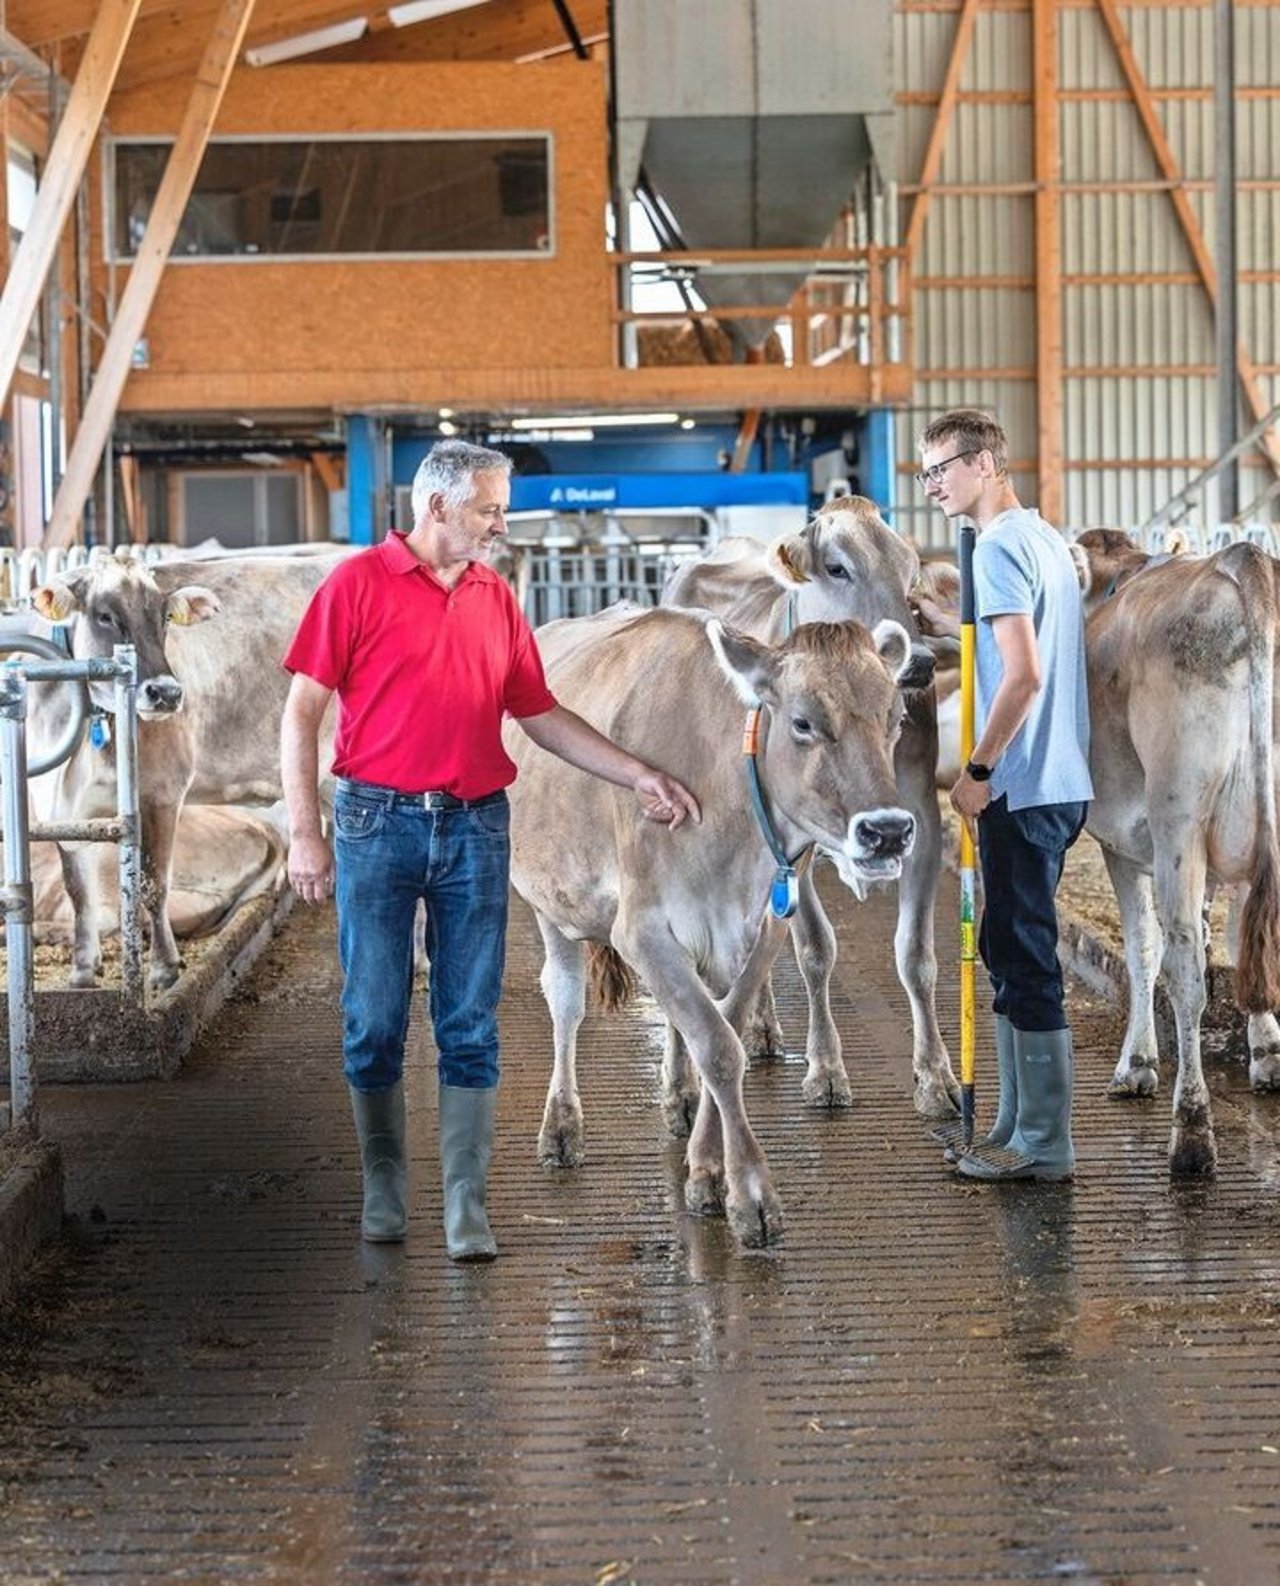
<point>427,649</point>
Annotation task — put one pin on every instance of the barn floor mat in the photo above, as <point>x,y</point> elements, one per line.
<point>210,1379</point>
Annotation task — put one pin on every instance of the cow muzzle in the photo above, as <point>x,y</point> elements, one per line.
<point>879,840</point>
<point>159,696</point>
<point>918,672</point>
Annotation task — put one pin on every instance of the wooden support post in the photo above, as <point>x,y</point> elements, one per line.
<point>144,278</point>
<point>941,123</point>
<point>1048,224</point>
<point>1256,401</point>
<point>746,440</point>
<point>62,174</point>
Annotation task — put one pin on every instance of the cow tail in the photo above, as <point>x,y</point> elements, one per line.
<point>613,982</point>
<point>1258,968</point>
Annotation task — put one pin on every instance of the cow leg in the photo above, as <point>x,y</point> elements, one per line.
<point>751,1203</point>
<point>680,1088</point>
<point>762,1036</point>
<point>826,1081</point>
<point>564,985</point>
<point>937,1093</point>
<point>1264,1030</point>
<point>1264,1051</point>
<point>159,826</point>
<point>80,877</point>
<point>1179,887</point>
<point>1137,1072</point>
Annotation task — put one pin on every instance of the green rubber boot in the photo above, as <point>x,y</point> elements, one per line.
<point>379,1116</point>
<point>466,1144</point>
<point>951,1134</point>
<point>1040,1146</point>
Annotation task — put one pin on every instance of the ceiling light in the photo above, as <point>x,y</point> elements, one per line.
<point>307,43</point>
<point>446,413</point>
<point>404,16</point>
<point>447,427</point>
<point>686,424</point>
<point>598,421</point>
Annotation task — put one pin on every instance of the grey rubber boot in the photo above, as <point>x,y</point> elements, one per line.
<point>1007,1101</point>
<point>1040,1145</point>
<point>379,1116</point>
<point>466,1144</point>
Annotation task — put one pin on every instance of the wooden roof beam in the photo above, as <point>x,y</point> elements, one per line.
<point>215,70</point>
<point>62,174</point>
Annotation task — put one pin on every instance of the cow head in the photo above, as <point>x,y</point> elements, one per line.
<point>1105,559</point>
<point>848,564</point>
<point>121,603</point>
<point>834,713</point>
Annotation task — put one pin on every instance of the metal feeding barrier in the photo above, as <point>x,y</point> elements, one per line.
<point>52,666</point>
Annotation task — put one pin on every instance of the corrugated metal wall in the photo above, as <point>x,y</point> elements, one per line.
<point>1138,387</point>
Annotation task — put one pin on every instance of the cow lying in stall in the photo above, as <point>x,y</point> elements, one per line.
<point>689,910</point>
<point>846,564</point>
<point>209,711</point>
<point>222,857</point>
<point>1181,658</point>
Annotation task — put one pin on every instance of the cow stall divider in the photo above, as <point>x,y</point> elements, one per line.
<point>51,666</point>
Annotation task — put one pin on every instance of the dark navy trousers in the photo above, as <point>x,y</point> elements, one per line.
<point>1022,854</point>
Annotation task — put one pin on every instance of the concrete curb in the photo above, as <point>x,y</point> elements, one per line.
<point>31,1204</point>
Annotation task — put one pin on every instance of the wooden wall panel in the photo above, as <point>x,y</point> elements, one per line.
<point>363,332</point>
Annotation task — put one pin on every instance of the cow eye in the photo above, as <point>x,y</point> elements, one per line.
<point>104,619</point>
<point>802,727</point>
<point>837,570</point>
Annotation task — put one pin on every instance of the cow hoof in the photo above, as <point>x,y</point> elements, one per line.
<point>83,979</point>
<point>828,1090</point>
<point>937,1097</point>
<point>764,1043</point>
<point>1194,1157</point>
<point>704,1194</point>
<point>163,976</point>
<point>757,1223</point>
<point>562,1138</point>
<point>678,1112</point>
<point>1139,1080</point>
<point>1264,1071</point>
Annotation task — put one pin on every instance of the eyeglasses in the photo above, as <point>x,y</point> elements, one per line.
<point>933,474</point>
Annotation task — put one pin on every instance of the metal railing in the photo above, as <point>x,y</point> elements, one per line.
<point>19,831</point>
<point>1177,508</point>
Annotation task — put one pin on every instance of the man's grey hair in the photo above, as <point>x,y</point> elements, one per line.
<point>450,467</point>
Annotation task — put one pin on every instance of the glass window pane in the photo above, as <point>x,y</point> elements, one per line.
<point>347,196</point>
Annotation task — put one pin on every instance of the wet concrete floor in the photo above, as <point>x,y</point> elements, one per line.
<point>211,1380</point>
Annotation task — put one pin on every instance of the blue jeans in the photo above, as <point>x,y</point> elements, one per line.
<point>1022,857</point>
<point>391,853</point>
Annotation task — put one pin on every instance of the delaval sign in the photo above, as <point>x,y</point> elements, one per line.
<point>606,492</point>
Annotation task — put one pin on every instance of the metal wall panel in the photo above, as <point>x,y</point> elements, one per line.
<point>1138,385</point>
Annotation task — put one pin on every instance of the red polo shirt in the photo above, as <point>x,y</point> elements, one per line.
<point>423,673</point>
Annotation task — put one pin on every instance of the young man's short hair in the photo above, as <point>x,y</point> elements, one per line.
<point>969,430</point>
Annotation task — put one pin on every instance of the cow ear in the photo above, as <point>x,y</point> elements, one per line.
<point>190,605</point>
<point>893,646</point>
<point>790,559</point>
<point>1084,572</point>
<point>749,665</point>
<point>61,598</point>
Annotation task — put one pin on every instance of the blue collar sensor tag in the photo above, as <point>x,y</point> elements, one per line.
<point>784,894</point>
<point>100,732</point>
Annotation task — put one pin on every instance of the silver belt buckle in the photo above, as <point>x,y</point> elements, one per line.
<point>432,801</point>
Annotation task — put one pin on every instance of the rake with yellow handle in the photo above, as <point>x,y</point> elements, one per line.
<point>958,1134</point>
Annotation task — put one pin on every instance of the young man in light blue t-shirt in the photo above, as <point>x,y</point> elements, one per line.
<point>1026,786</point>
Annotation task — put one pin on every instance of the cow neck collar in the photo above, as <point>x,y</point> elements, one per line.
<point>784,891</point>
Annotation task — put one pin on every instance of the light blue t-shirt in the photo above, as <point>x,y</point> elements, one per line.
<point>1021,564</point>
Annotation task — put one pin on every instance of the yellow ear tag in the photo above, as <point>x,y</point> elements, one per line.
<point>180,616</point>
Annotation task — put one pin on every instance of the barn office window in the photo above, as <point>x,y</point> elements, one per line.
<point>309,198</point>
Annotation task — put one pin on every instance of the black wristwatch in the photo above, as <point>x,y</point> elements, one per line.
<point>978,772</point>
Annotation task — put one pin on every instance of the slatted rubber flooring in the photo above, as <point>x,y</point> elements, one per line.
<point>212,1380</point>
